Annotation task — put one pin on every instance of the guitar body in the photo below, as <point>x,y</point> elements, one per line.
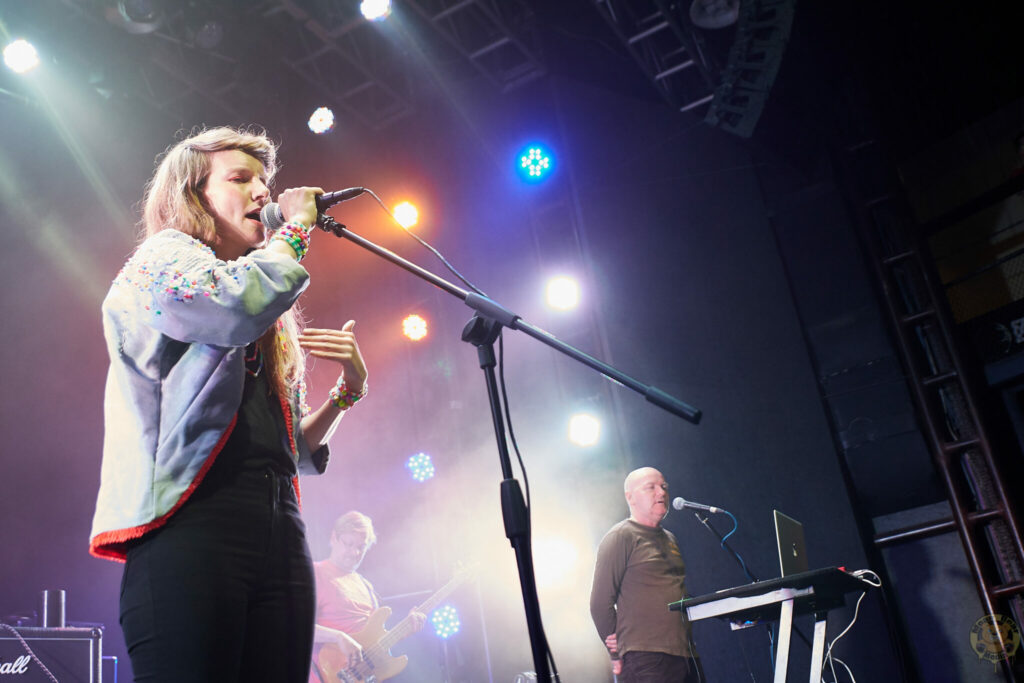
<point>376,641</point>
<point>377,664</point>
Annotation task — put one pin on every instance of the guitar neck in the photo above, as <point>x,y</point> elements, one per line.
<point>405,626</point>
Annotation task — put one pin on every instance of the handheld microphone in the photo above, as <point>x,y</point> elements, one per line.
<point>680,503</point>
<point>273,219</point>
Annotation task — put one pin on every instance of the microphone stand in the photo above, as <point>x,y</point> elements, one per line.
<point>482,331</point>
<point>706,521</point>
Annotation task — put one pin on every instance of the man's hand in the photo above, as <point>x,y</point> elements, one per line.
<point>417,619</point>
<point>352,650</point>
<point>612,643</point>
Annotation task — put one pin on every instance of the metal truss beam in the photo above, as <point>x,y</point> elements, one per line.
<point>667,47</point>
<point>494,36</point>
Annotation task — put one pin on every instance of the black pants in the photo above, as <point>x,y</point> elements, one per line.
<point>225,590</point>
<point>657,667</point>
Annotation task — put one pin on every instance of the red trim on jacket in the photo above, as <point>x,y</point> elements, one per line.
<point>289,427</point>
<point>112,545</point>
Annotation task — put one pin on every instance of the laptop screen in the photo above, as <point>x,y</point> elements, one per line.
<point>789,535</point>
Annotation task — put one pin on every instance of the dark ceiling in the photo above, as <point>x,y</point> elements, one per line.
<point>910,71</point>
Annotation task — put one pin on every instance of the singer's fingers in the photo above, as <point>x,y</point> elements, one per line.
<point>305,190</point>
<point>315,333</point>
<point>299,204</point>
<point>336,345</point>
<point>326,343</point>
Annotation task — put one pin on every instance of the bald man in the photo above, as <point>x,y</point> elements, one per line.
<point>639,572</point>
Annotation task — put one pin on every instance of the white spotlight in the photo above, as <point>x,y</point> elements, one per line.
<point>321,121</point>
<point>563,293</point>
<point>584,429</point>
<point>20,56</point>
<point>375,10</point>
<point>406,214</point>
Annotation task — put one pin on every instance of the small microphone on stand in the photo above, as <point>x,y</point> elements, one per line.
<point>680,503</point>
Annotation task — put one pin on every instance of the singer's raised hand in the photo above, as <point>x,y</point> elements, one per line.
<point>339,346</point>
<point>299,204</point>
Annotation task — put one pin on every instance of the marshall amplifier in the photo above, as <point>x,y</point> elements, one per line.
<point>73,655</point>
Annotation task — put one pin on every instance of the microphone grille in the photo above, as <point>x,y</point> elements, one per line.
<point>678,503</point>
<point>271,216</point>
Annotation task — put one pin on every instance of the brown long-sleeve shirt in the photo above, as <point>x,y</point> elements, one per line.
<point>639,571</point>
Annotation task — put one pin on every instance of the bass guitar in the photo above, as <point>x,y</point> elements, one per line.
<point>377,663</point>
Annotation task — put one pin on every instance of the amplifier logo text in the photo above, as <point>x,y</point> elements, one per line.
<point>18,666</point>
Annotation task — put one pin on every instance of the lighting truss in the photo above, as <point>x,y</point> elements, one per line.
<point>495,36</point>
<point>754,61</point>
<point>689,74</point>
<point>666,45</point>
<point>351,61</point>
<point>327,45</point>
<point>164,68</point>
<point>359,68</point>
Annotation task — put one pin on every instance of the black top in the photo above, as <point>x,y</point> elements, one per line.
<point>259,439</point>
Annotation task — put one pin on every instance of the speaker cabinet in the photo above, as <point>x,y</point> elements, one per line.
<point>73,655</point>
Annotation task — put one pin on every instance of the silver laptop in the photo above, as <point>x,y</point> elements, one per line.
<point>789,535</point>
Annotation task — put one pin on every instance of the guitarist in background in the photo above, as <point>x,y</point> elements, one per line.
<point>344,598</point>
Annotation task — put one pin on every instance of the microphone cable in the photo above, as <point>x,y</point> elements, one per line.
<point>501,350</point>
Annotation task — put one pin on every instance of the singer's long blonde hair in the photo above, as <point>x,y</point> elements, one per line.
<point>174,200</point>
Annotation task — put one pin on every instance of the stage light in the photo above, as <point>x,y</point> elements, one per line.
<point>208,34</point>
<point>584,429</point>
<point>136,16</point>
<point>445,621</point>
<point>141,11</point>
<point>321,121</point>
<point>563,293</point>
<point>406,214</point>
<point>375,10</point>
<point>420,466</point>
<point>414,327</point>
<point>20,56</point>
<point>535,163</point>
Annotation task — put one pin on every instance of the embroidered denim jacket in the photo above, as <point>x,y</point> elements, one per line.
<point>176,321</point>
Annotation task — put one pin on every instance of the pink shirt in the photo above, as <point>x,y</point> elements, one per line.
<point>343,601</point>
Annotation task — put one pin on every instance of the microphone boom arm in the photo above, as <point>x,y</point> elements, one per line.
<point>491,309</point>
<point>494,310</point>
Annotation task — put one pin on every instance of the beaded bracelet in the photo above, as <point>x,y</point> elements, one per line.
<point>342,397</point>
<point>296,235</point>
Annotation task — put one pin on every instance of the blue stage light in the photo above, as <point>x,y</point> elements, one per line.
<point>420,467</point>
<point>445,621</point>
<point>535,163</point>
